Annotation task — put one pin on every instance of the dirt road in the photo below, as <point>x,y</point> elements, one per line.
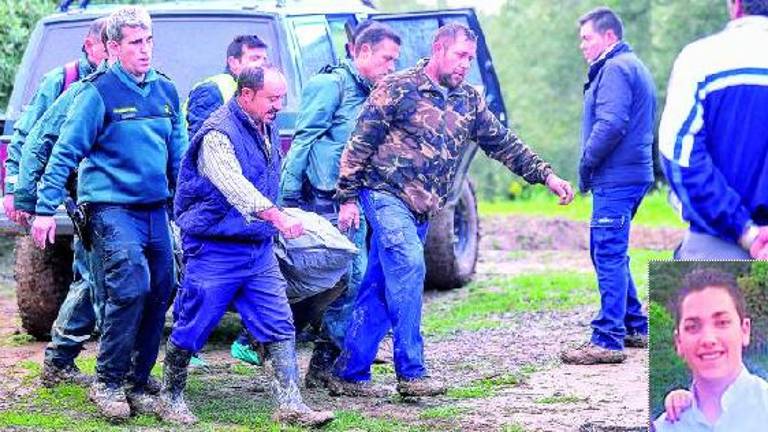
<point>504,376</point>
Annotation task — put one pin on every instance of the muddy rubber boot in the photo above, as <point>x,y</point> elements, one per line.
<point>171,407</point>
<point>320,367</point>
<point>339,387</point>
<point>285,388</point>
<point>636,341</point>
<point>153,386</point>
<point>423,386</point>
<point>141,402</point>
<point>52,375</point>
<point>110,401</point>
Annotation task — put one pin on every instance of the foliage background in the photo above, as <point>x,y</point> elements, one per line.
<point>667,371</point>
<point>534,44</point>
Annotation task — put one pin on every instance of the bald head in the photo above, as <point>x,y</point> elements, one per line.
<point>260,92</point>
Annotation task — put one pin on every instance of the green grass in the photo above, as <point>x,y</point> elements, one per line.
<point>18,340</point>
<point>442,413</point>
<point>355,421</point>
<point>653,212</point>
<point>533,292</point>
<point>513,428</point>
<point>488,387</point>
<point>560,399</point>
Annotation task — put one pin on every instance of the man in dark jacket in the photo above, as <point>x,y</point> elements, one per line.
<point>224,207</point>
<point>616,165</point>
<point>211,93</point>
<point>330,104</point>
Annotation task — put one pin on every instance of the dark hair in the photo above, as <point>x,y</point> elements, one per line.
<point>451,30</point>
<point>373,34</point>
<point>235,48</point>
<point>755,7</point>
<point>252,77</point>
<point>700,279</point>
<point>362,26</point>
<point>604,19</point>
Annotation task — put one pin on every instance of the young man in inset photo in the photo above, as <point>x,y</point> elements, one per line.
<point>711,331</point>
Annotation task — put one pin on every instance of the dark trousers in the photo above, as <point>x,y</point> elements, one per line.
<point>133,269</point>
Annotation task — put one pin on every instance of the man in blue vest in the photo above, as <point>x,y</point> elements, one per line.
<point>205,98</point>
<point>127,121</point>
<point>51,86</point>
<point>224,207</point>
<point>330,103</point>
<point>211,93</point>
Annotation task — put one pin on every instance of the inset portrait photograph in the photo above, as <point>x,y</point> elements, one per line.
<point>708,339</point>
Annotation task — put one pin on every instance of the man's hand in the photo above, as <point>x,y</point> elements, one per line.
<point>22,218</point>
<point>289,227</point>
<point>9,207</point>
<point>43,229</point>
<point>349,216</point>
<point>759,248</point>
<point>561,188</point>
<point>676,402</point>
<point>585,174</point>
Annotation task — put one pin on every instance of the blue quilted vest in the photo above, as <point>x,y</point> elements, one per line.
<point>200,208</point>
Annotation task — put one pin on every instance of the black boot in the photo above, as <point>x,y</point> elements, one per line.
<point>320,365</point>
<point>172,407</point>
<point>285,388</point>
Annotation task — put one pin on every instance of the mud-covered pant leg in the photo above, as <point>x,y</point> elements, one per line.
<point>391,292</point>
<point>338,313</point>
<point>76,319</point>
<point>220,273</point>
<point>262,302</point>
<point>612,211</point>
<point>120,237</point>
<point>213,275</point>
<point>159,253</point>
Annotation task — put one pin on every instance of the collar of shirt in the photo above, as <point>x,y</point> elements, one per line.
<point>730,395</point>
<point>757,21</point>
<point>606,51</point>
<point>131,80</point>
<point>350,65</point>
<point>259,126</point>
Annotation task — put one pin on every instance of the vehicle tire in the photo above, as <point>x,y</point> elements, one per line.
<point>452,243</point>
<point>42,281</point>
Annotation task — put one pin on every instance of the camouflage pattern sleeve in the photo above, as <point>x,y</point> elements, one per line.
<point>505,146</point>
<point>371,129</point>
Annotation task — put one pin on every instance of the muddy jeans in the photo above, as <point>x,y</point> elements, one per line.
<point>390,294</point>
<point>620,310</point>
<point>133,267</point>
<point>77,318</point>
<point>219,273</point>
<point>337,315</point>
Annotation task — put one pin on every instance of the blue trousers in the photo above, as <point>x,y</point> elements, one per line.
<point>78,313</point>
<point>338,313</point>
<point>620,309</point>
<point>390,294</point>
<point>218,273</point>
<point>133,269</point>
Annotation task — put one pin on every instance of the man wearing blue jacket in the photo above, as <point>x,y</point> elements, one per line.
<point>616,165</point>
<point>330,104</point>
<point>714,137</point>
<point>77,315</point>
<point>51,86</point>
<point>211,93</point>
<point>127,121</point>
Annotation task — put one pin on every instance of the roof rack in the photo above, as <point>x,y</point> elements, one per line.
<point>64,4</point>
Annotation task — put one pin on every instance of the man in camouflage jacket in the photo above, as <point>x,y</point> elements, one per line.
<point>400,163</point>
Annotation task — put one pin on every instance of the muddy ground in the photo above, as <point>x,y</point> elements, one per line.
<point>549,396</point>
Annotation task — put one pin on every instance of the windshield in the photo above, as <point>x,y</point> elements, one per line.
<point>187,49</point>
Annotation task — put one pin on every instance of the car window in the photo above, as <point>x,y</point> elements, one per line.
<point>416,33</point>
<point>314,43</point>
<point>182,51</point>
